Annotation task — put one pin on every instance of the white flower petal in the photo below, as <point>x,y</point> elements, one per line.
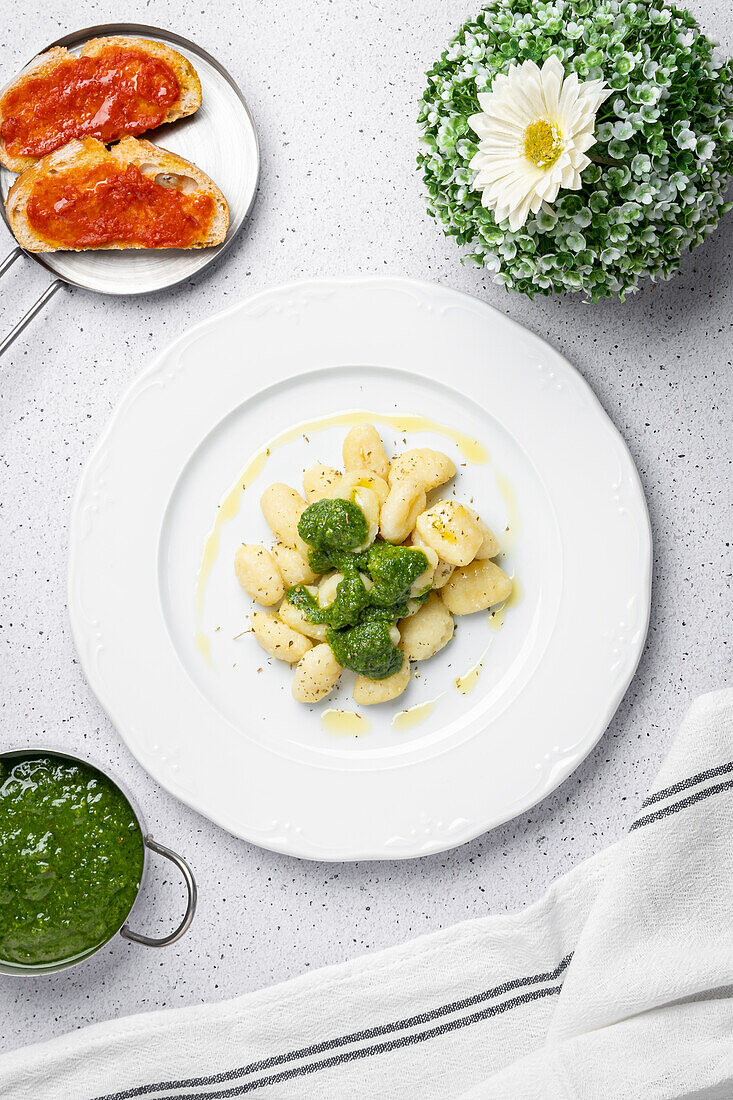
<point>509,114</point>
<point>512,185</point>
<point>518,216</point>
<point>486,99</point>
<point>480,124</point>
<point>568,178</point>
<point>578,159</point>
<point>553,67</point>
<point>547,191</point>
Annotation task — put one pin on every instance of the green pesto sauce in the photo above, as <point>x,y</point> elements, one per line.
<point>394,570</point>
<point>352,598</point>
<point>333,525</point>
<point>367,649</point>
<point>361,614</point>
<point>71,859</point>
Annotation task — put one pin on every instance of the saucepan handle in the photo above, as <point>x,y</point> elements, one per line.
<point>183,927</point>
<point>35,308</point>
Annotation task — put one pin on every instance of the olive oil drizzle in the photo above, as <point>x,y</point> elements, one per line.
<point>466,683</point>
<point>344,722</point>
<point>413,716</point>
<point>496,615</point>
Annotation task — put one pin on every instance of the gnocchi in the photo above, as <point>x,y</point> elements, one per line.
<point>443,573</point>
<point>316,674</point>
<point>297,620</point>
<point>428,631</point>
<point>320,482</point>
<point>294,569</point>
<point>363,575</point>
<point>451,530</point>
<point>475,587</point>
<point>258,574</point>
<point>362,479</point>
<point>489,547</point>
<point>278,639</point>
<point>367,692</point>
<point>282,508</point>
<point>443,569</point>
<point>425,580</point>
<point>430,468</point>
<point>368,501</point>
<point>401,509</point>
<point>363,450</point>
<point>328,588</point>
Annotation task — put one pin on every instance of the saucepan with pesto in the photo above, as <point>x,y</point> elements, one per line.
<point>73,854</point>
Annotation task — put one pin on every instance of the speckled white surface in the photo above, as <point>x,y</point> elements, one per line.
<point>333,88</point>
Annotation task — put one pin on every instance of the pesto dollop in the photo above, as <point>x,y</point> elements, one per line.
<point>71,859</point>
<point>394,570</point>
<point>333,525</point>
<point>374,593</point>
<point>351,598</point>
<point>368,649</point>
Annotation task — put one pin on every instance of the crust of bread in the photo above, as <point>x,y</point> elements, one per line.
<point>188,101</point>
<point>88,152</point>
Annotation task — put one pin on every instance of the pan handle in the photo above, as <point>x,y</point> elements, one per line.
<point>35,308</point>
<point>191,892</point>
<point>10,260</point>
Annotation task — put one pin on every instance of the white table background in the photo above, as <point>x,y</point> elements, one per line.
<point>334,88</point>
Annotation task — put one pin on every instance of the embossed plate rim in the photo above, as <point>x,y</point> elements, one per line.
<point>310,320</point>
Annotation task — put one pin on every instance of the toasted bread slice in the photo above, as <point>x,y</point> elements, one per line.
<point>188,100</point>
<point>165,170</point>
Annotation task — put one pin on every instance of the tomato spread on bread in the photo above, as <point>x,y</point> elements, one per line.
<point>96,206</point>
<point>119,91</point>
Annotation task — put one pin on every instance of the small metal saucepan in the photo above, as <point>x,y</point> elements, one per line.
<point>149,845</point>
<point>220,138</point>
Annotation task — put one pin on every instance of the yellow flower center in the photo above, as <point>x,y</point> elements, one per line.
<point>542,143</point>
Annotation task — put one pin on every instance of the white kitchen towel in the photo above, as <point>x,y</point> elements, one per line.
<point>617,985</point>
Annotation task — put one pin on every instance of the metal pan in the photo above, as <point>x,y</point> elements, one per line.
<point>150,845</point>
<point>220,138</point>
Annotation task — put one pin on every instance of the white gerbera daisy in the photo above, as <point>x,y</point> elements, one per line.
<point>534,127</point>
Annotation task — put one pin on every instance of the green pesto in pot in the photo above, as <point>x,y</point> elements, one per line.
<point>71,859</point>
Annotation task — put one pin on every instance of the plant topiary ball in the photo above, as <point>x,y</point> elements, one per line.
<point>662,160</point>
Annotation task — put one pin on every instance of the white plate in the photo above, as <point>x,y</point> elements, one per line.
<point>228,739</point>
